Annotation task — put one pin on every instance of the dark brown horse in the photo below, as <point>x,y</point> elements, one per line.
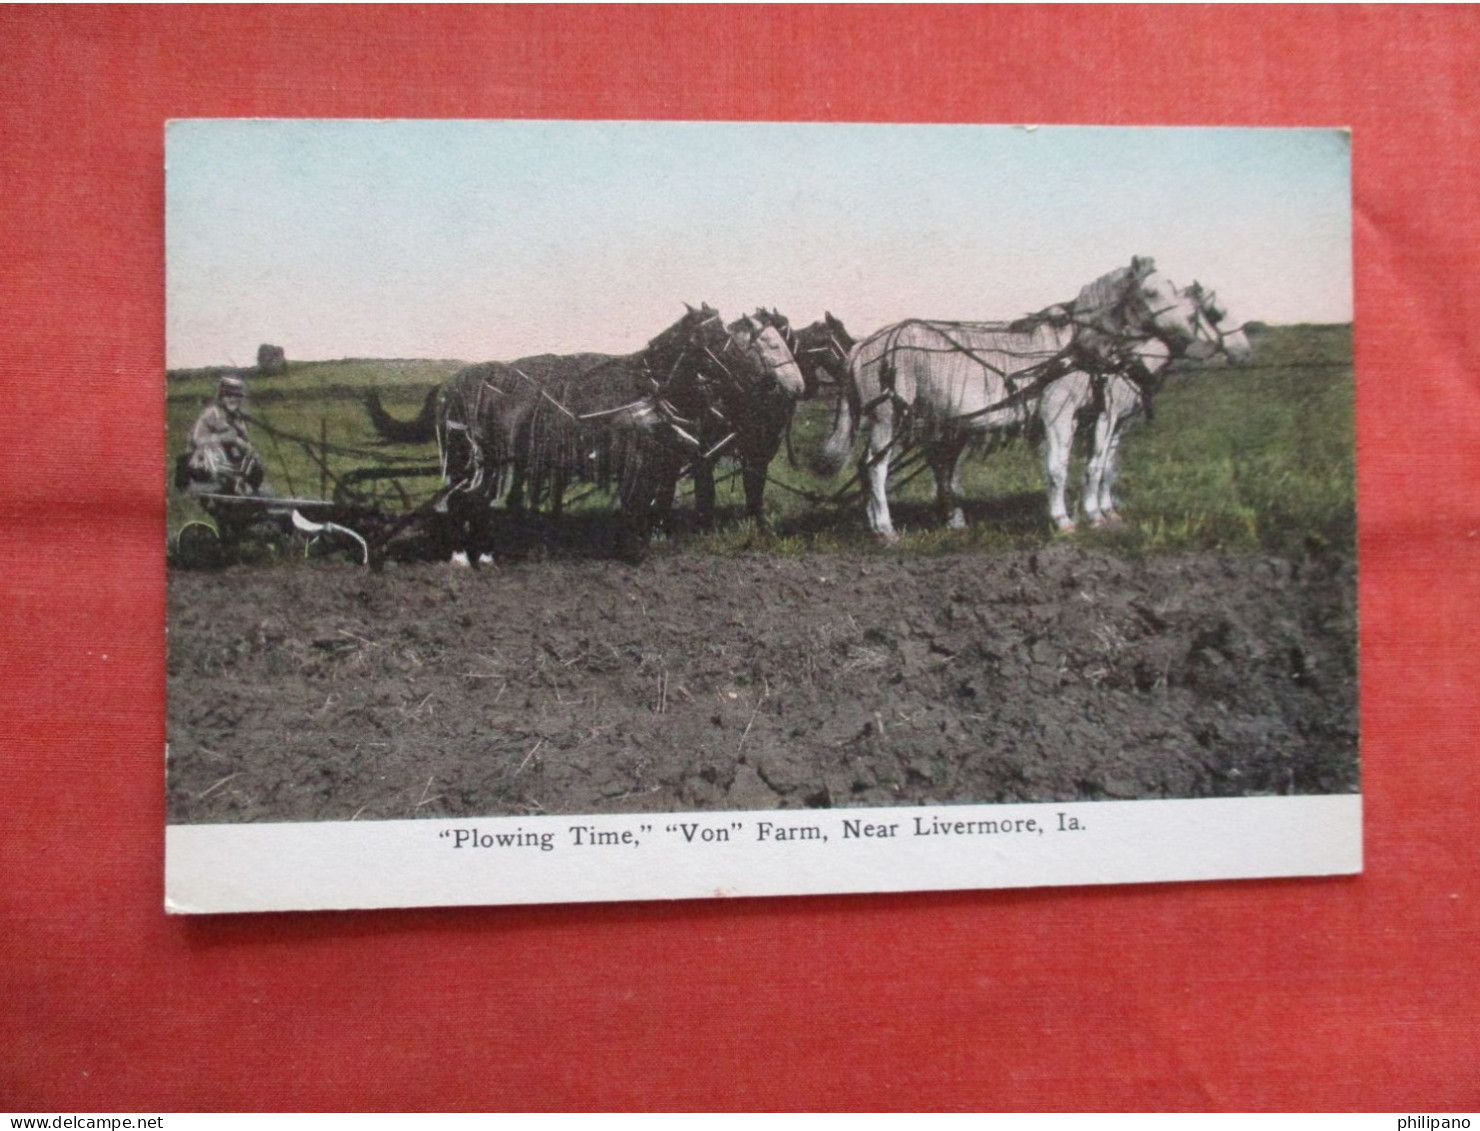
<point>748,421</point>
<point>514,433</point>
<point>745,415</point>
<point>822,350</point>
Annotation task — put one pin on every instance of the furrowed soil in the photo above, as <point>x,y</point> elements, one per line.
<point>692,682</point>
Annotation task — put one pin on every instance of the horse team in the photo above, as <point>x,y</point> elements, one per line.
<point>517,435</point>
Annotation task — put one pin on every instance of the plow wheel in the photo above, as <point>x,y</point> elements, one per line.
<point>198,546</point>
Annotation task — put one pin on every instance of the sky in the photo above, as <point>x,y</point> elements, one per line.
<point>493,240</point>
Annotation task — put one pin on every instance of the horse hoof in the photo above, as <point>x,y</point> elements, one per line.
<point>887,538</point>
<point>460,559</point>
<point>1065,526</point>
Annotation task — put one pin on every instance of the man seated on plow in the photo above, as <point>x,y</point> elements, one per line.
<point>219,458</point>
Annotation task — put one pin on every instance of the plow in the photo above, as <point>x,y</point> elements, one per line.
<point>362,513</point>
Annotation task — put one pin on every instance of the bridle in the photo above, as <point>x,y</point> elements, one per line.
<point>698,364</point>
<point>833,350</point>
<point>1210,317</point>
<point>764,370</point>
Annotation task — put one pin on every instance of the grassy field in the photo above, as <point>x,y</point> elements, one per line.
<point>1258,459</point>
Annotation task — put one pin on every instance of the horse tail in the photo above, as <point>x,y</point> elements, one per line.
<point>829,461</point>
<point>422,430</point>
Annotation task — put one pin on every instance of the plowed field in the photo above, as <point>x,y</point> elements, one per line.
<point>754,681</point>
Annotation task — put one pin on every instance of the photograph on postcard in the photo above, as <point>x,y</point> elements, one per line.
<point>611,510</point>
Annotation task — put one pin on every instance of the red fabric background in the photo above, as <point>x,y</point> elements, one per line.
<point>1353,993</point>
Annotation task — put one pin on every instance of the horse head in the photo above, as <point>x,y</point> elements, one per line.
<point>1134,303</point>
<point>1156,306</point>
<point>774,317</point>
<point>764,340</point>
<point>752,325</point>
<point>678,351</point>
<point>1227,335</point>
<point>823,348</point>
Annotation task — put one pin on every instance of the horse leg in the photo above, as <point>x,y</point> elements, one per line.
<point>661,489</point>
<point>510,491</point>
<point>755,490</point>
<point>703,495</point>
<point>876,471</point>
<point>662,494</point>
<point>1061,402</point>
<point>945,462</point>
<point>634,535</point>
<point>1121,401</point>
<point>480,534</point>
<point>1108,511</point>
<point>760,438</point>
<point>465,527</point>
<point>643,500</point>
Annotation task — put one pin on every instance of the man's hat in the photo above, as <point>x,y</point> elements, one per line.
<point>231,387</point>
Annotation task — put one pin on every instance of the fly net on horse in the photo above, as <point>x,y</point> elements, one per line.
<point>609,427</point>
<point>627,423</point>
<point>699,391</point>
<point>936,379</point>
<point>504,427</point>
<point>968,375</point>
<point>943,385</point>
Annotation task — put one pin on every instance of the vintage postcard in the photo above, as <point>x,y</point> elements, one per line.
<point>569,511</point>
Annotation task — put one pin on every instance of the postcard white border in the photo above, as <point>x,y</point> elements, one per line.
<point>642,856</point>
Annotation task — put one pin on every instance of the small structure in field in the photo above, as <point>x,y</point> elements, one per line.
<point>271,361</point>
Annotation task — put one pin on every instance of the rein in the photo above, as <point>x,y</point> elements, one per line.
<point>1117,323</point>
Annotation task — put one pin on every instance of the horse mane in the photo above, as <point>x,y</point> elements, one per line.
<point>553,366</point>
<point>835,326</point>
<point>1207,302</point>
<point>1057,316</point>
<point>1107,294</point>
<point>779,322</point>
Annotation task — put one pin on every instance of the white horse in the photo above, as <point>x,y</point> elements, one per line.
<point>949,383</point>
<point>1123,394</point>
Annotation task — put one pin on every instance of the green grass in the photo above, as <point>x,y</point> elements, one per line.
<point>1261,458</point>
<point>1258,459</point>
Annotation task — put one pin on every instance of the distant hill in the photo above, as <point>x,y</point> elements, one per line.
<point>413,367</point>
